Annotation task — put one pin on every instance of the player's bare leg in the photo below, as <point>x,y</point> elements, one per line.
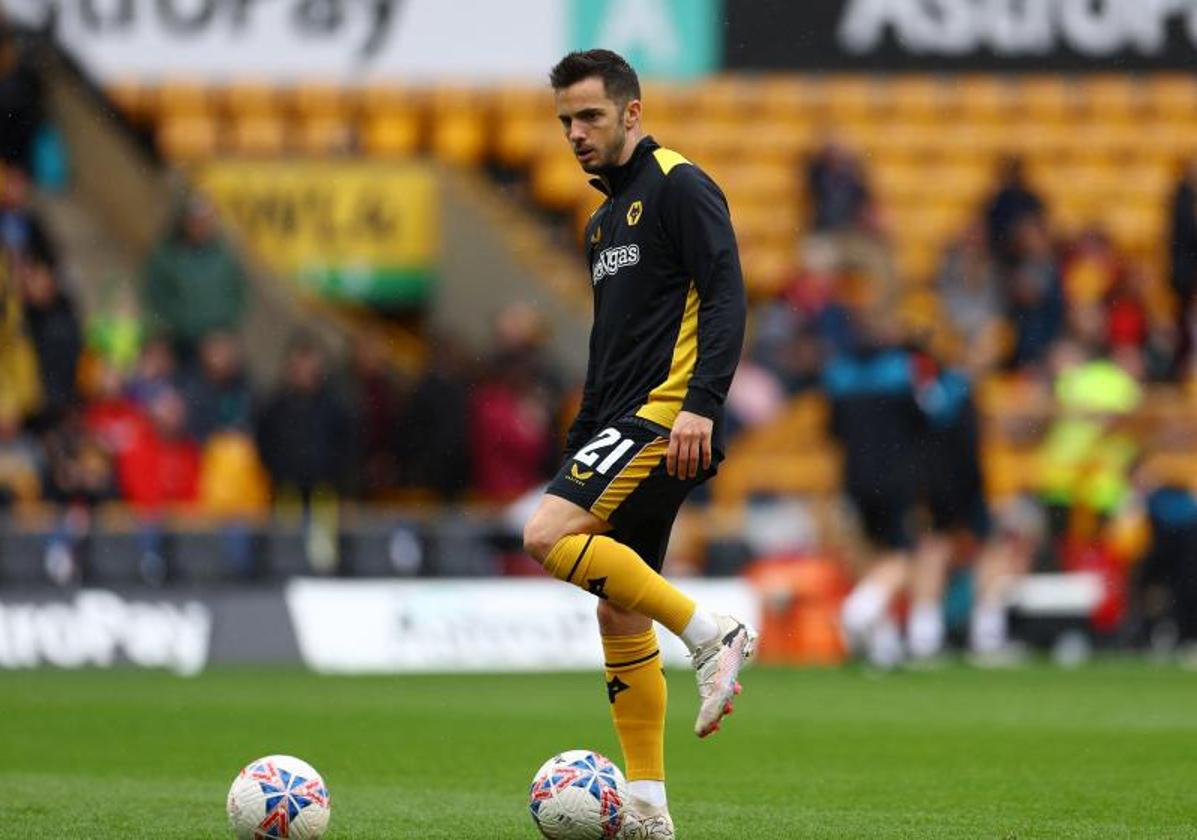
<point>925,626</point>
<point>865,614</point>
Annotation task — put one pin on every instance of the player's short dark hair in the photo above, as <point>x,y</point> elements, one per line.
<point>620,81</point>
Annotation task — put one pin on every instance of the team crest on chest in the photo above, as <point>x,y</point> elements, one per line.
<point>635,211</point>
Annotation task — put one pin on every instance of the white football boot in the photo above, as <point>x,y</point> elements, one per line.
<point>642,821</point>
<point>718,663</point>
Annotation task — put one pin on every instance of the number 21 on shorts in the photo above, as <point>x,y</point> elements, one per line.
<point>589,454</point>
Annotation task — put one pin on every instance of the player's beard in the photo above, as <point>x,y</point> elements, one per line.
<point>609,156</point>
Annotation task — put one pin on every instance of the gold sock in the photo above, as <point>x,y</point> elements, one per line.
<point>636,689</point>
<point>614,572</point>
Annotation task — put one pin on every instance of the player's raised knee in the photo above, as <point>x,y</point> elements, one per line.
<point>540,535</point>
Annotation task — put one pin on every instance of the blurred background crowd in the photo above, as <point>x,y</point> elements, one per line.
<point>940,307</point>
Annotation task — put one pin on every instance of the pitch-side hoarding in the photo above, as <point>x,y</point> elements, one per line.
<point>354,230</point>
<point>469,625</point>
<point>964,35</point>
<point>177,630</point>
<point>362,41</point>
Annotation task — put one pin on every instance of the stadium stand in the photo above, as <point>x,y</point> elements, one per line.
<point>920,159</point>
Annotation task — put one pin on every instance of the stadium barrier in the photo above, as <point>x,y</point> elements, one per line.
<point>469,625</point>
<point>387,626</point>
<point>180,631</point>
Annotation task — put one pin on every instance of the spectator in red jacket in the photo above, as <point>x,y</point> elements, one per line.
<point>511,430</point>
<point>160,467</point>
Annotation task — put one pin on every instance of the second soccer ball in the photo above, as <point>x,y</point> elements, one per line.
<point>578,795</point>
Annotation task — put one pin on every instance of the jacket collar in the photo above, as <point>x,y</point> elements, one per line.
<point>610,181</point>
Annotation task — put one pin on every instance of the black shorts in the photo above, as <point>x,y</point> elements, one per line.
<point>620,477</point>
<point>885,517</point>
<point>967,511</point>
<point>953,492</point>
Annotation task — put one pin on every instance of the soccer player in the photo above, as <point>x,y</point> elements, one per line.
<point>953,495</point>
<point>669,311</point>
<point>875,416</point>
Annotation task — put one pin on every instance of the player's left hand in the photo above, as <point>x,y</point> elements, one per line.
<point>689,445</point>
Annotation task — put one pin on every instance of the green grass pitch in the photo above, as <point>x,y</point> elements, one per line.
<point>1107,751</point>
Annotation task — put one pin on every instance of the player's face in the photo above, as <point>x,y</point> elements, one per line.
<point>595,125</point>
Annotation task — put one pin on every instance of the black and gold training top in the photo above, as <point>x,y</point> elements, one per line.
<point>669,303</point>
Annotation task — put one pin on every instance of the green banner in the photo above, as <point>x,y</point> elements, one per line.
<point>662,39</point>
<point>381,286</point>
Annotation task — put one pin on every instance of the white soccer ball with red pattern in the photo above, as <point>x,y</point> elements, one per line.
<point>278,796</point>
<point>578,795</point>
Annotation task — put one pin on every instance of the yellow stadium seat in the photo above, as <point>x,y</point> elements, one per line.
<point>712,143</point>
<point>804,423</point>
<point>181,98</point>
<point>762,180</point>
<point>385,99</point>
<point>394,134</point>
<point>918,261</point>
<point>258,136</point>
<point>786,96</point>
<point>853,98</point>
<point>317,101</point>
<point>919,310</point>
<point>780,140</point>
<point>524,101</point>
<point>520,137</point>
<point>814,471</point>
<point>916,98</point>
<point>1135,227</point>
<point>730,97</point>
<point>1172,97</point>
<point>1152,180</point>
<point>188,139</point>
<point>1174,141</point>
<point>1046,98</point>
<point>1112,97</point>
<point>557,183</point>
<point>968,180</point>
<point>459,138</point>
<point>253,99</point>
<point>968,141</point>
<point>766,269</point>
<point>899,180</point>
<point>132,98</point>
<point>455,99</point>
<point>324,135</point>
<point>763,223</point>
<point>672,99</point>
<point>980,99</point>
<point>930,224</point>
<point>1009,471</point>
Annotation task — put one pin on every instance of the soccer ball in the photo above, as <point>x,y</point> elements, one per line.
<point>278,796</point>
<point>577,795</point>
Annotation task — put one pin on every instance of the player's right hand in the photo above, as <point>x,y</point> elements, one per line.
<point>689,445</point>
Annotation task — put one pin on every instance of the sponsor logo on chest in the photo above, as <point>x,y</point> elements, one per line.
<point>612,259</point>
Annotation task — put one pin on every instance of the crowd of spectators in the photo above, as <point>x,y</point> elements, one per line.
<point>179,423</point>
<point>1083,328</point>
<point>1011,289</point>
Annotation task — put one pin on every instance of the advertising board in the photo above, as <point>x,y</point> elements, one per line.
<point>468,625</point>
<point>356,230</point>
<point>963,35</point>
<point>368,41</point>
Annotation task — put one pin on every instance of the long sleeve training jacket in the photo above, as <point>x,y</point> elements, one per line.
<point>669,304</point>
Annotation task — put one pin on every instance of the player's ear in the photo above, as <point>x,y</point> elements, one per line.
<point>631,114</point>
